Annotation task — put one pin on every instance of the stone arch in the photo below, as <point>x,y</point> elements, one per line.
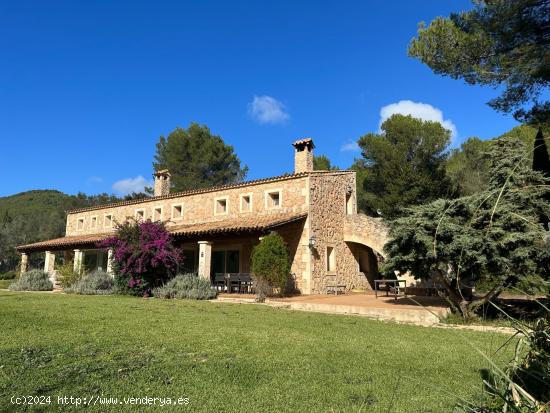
<point>367,231</point>
<point>366,237</point>
<point>367,260</point>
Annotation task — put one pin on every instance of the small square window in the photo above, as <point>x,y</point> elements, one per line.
<point>246,203</point>
<point>331,260</point>
<point>80,224</point>
<point>108,221</point>
<point>94,222</point>
<point>220,206</point>
<point>157,214</point>
<point>273,199</point>
<point>140,214</point>
<point>177,211</point>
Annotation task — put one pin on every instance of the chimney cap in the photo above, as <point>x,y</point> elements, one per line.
<point>162,172</point>
<point>304,143</point>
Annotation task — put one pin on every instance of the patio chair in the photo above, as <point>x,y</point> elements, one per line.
<point>245,286</point>
<point>219,282</point>
<point>234,283</point>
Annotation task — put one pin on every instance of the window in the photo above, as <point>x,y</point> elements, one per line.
<point>157,214</point>
<point>80,224</point>
<point>108,221</point>
<point>220,206</point>
<point>349,203</point>
<point>140,214</point>
<point>331,260</point>
<point>246,202</point>
<point>94,222</point>
<point>177,211</point>
<point>224,261</point>
<point>273,199</point>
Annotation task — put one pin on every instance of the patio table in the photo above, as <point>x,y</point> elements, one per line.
<point>389,283</point>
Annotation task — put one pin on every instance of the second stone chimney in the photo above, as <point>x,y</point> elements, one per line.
<point>162,182</point>
<point>303,155</point>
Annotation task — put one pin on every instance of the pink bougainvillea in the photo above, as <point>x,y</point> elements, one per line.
<point>143,249</point>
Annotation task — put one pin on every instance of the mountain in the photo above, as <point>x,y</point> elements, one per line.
<point>37,215</point>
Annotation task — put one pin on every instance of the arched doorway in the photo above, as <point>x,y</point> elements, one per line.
<point>368,261</point>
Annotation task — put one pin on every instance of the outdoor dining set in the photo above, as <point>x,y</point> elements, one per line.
<point>236,283</point>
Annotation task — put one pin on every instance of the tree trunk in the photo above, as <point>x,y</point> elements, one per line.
<point>459,304</point>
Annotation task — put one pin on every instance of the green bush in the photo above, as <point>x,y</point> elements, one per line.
<point>33,280</point>
<point>10,275</point>
<point>126,284</point>
<point>66,276</point>
<point>522,386</point>
<point>527,285</point>
<point>270,263</point>
<point>186,286</point>
<point>93,283</point>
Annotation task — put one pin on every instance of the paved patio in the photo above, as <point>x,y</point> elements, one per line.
<point>412,309</point>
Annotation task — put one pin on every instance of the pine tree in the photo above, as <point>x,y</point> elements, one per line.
<point>494,235</point>
<point>197,159</point>
<point>541,160</point>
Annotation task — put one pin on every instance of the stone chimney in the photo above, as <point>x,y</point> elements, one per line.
<point>162,182</point>
<point>303,156</point>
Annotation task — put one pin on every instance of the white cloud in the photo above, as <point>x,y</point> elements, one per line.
<point>350,147</point>
<point>95,180</point>
<point>418,110</point>
<point>266,109</point>
<point>129,185</point>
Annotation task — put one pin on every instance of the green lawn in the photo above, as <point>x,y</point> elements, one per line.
<point>229,357</point>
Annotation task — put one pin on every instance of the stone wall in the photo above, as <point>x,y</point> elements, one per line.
<point>296,238</point>
<point>200,207</point>
<point>362,229</point>
<point>328,213</point>
<point>303,160</point>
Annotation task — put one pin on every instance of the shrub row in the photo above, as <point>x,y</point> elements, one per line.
<point>33,280</point>
<point>186,286</point>
<point>93,283</point>
<point>10,275</point>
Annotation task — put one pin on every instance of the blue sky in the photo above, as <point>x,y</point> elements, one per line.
<point>87,88</point>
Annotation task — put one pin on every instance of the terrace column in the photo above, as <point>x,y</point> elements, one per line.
<point>49,265</point>
<point>24,263</point>
<point>77,261</point>
<point>205,257</point>
<point>110,262</point>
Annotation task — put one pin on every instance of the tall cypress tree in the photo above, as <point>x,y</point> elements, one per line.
<point>541,160</point>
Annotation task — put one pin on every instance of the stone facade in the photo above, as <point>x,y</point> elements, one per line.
<point>331,196</point>
<point>197,207</point>
<point>329,243</point>
<point>366,230</point>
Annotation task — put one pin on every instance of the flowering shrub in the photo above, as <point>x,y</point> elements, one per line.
<point>143,256</point>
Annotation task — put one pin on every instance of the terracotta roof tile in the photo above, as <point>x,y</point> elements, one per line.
<point>76,240</point>
<point>248,224</point>
<point>256,223</point>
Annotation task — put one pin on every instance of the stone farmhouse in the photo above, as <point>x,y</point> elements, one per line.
<point>331,245</point>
